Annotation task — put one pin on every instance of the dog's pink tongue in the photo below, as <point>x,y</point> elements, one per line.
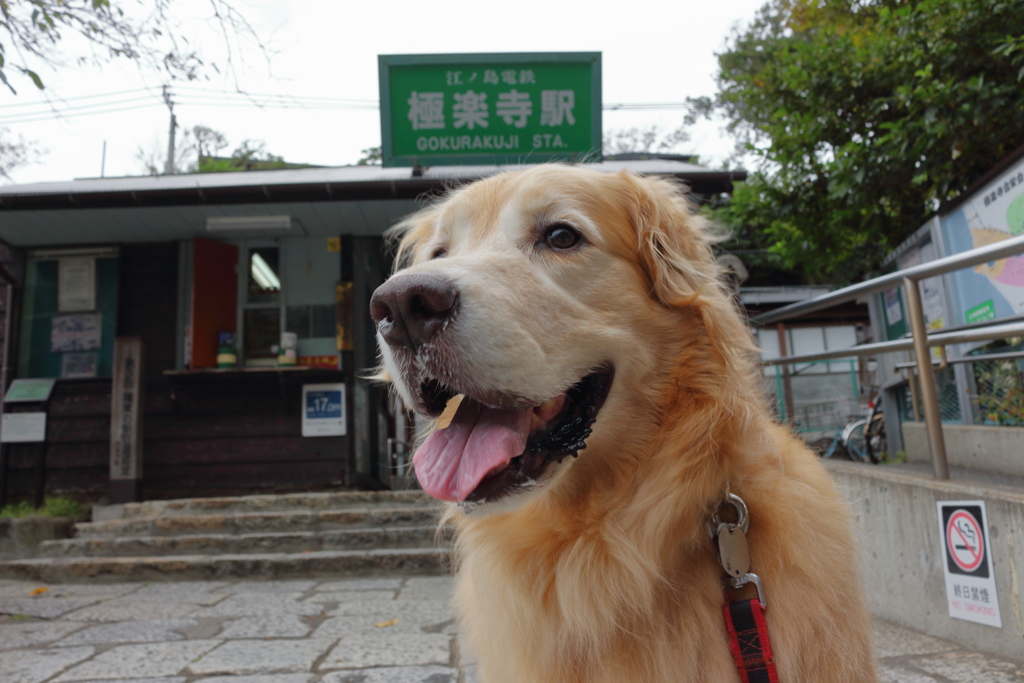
<point>479,441</point>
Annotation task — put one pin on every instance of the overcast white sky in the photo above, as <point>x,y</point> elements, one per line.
<point>653,51</point>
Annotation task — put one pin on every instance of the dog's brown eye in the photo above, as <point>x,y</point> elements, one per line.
<point>439,253</point>
<point>561,236</point>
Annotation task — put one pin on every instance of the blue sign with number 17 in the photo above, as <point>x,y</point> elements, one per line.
<point>323,405</point>
<point>323,410</point>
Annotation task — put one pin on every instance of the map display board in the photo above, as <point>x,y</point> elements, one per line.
<point>490,108</point>
<point>992,214</point>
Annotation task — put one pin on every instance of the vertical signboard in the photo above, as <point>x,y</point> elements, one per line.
<point>126,420</point>
<point>490,108</point>
<point>967,562</point>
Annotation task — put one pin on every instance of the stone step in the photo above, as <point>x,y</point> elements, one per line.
<point>366,538</point>
<point>327,563</point>
<point>259,504</point>
<point>261,522</point>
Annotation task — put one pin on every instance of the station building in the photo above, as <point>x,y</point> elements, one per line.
<point>178,260</point>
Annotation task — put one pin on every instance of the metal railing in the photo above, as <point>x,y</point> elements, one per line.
<point>921,340</point>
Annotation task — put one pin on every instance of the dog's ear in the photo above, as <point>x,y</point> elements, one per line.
<point>411,234</point>
<point>673,240</point>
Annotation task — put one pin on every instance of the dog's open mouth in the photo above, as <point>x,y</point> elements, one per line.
<point>485,453</point>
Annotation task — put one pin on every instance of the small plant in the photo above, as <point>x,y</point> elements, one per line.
<point>52,507</point>
<point>1002,400</point>
<point>895,458</point>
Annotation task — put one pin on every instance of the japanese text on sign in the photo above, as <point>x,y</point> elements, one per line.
<point>967,563</point>
<point>474,110</point>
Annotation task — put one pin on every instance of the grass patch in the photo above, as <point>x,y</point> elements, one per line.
<point>52,507</point>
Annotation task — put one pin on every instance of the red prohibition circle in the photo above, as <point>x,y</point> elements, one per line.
<point>953,534</point>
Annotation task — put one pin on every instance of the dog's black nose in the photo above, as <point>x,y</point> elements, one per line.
<point>411,309</point>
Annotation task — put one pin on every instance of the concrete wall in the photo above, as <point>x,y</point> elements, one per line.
<point>20,537</point>
<point>996,449</point>
<point>902,555</point>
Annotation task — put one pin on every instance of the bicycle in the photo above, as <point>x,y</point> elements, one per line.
<point>866,439</point>
<point>862,440</point>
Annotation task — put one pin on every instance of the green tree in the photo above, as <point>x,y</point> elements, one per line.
<point>649,140</point>
<point>371,156</point>
<point>864,117</point>
<point>148,33</point>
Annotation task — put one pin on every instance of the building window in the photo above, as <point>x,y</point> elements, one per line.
<point>261,317</point>
<point>264,277</point>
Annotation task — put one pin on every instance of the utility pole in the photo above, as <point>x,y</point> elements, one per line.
<point>169,167</point>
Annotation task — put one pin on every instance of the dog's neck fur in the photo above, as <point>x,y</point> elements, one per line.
<point>615,538</point>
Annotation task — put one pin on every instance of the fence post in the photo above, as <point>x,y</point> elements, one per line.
<point>926,377</point>
<point>787,387</point>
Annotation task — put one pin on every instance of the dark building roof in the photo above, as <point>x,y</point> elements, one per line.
<point>321,201</point>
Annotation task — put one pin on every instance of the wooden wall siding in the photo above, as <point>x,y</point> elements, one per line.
<point>148,303</point>
<point>201,434</point>
<point>78,452</point>
<point>195,441</point>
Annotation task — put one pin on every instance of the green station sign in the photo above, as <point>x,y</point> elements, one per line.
<point>490,108</point>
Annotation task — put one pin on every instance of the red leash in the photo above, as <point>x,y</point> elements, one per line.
<point>744,619</point>
<point>748,640</point>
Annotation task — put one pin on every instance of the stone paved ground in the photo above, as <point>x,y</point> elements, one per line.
<point>379,630</point>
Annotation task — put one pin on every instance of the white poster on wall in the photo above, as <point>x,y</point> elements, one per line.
<point>80,332</point>
<point>76,284</point>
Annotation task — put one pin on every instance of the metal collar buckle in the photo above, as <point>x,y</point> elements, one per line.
<point>743,519</point>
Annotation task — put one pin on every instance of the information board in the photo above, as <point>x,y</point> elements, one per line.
<point>22,427</point>
<point>29,390</point>
<point>490,108</point>
<point>993,213</point>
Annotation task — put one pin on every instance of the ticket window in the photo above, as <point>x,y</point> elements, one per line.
<point>258,289</point>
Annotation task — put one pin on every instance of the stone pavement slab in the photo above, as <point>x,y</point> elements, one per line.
<point>163,630</point>
<point>366,650</point>
<point>266,605</point>
<point>285,626</point>
<point>263,656</point>
<point>165,679</point>
<point>262,678</point>
<point>389,629</point>
<point>35,666</point>
<point>149,660</point>
<point>43,607</point>
<point>33,633</point>
<point>132,608</point>
<point>385,584</point>
<point>397,674</point>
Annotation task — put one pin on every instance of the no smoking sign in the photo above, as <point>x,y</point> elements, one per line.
<point>967,564</point>
<point>965,543</point>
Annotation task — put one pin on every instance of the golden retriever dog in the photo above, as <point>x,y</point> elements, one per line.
<point>610,401</point>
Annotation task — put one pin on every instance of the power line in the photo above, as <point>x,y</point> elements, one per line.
<point>251,95</point>
<point>8,122</point>
<point>199,97</point>
<point>71,111</point>
<point>74,99</point>
<point>645,106</point>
